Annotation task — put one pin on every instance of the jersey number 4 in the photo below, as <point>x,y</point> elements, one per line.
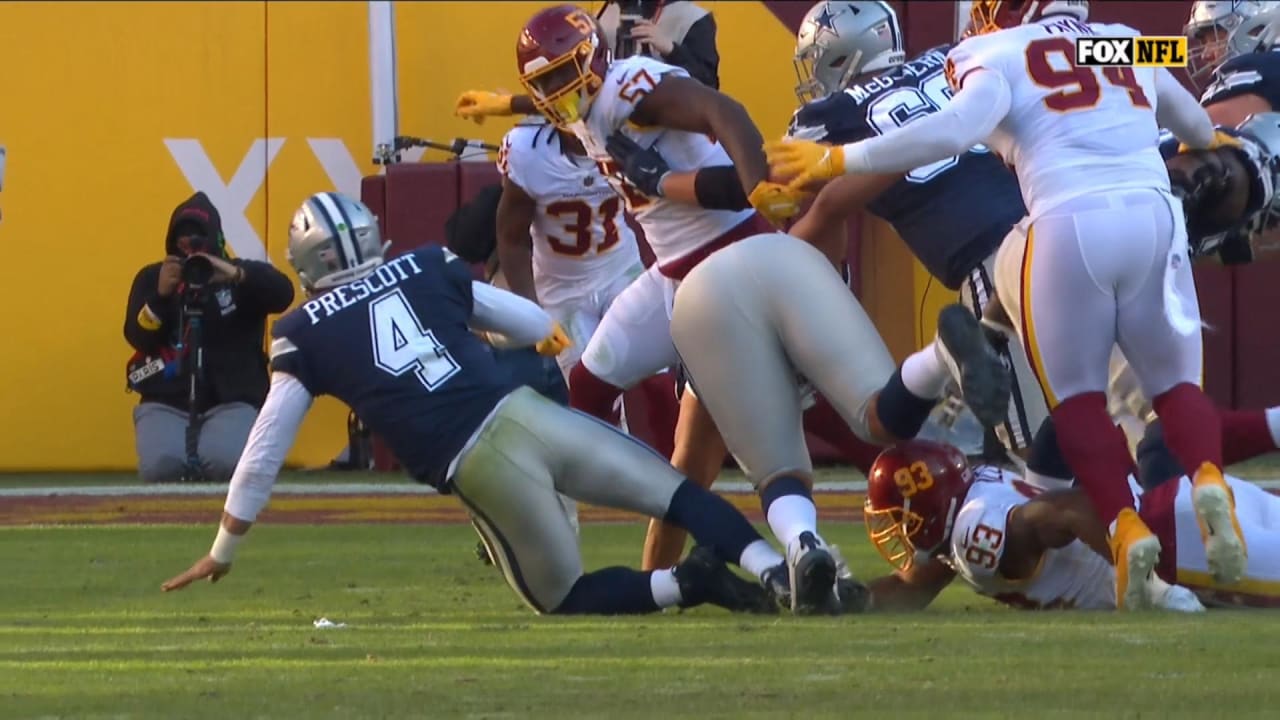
<point>1078,87</point>
<point>401,344</point>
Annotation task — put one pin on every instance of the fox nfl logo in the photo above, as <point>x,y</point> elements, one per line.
<point>1146,51</point>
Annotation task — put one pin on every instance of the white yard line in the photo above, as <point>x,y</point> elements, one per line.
<point>731,486</point>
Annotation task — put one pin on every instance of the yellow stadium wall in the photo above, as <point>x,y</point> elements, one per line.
<point>98,98</point>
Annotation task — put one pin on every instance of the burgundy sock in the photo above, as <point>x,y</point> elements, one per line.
<point>590,394</point>
<point>1192,426</point>
<point>1096,451</point>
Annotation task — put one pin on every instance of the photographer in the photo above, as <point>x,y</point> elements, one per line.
<point>678,33</point>
<point>197,322</point>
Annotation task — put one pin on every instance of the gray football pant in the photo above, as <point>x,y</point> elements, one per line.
<point>160,435</point>
<point>751,318</point>
<point>529,450</point>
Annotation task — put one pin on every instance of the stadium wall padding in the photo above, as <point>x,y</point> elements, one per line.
<point>114,111</point>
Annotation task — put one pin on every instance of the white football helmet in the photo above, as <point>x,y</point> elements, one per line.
<point>333,240</point>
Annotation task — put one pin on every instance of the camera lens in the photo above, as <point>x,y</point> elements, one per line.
<point>197,271</point>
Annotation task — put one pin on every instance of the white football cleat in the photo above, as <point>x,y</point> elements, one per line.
<point>1215,506</point>
<point>1173,597</point>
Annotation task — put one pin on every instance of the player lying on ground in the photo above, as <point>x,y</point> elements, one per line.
<point>1110,263</point>
<point>933,518</point>
<point>393,340</point>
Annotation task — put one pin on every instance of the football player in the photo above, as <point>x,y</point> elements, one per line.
<point>855,83</point>
<point>933,517</point>
<point>571,78</point>
<point>563,240</point>
<point>1104,257</point>
<point>1231,49</point>
<point>393,340</point>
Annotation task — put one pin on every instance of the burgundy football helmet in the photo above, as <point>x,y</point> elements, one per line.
<point>562,58</point>
<point>914,491</point>
<point>990,15</point>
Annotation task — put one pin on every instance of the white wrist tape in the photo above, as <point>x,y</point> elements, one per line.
<point>224,546</point>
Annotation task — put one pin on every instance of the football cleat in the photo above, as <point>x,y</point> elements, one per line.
<point>1174,597</point>
<point>1215,505</point>
<point>777,582</point>
<point>848,597</point>
<point>813,574</point>
<point>1135,552</point>
<point>984,380</point>
<point>704,578</point>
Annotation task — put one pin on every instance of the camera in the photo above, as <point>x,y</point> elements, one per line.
<point>196,272</point>
<point>629,13</point>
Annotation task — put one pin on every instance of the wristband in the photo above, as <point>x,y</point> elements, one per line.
<point>224,546</point>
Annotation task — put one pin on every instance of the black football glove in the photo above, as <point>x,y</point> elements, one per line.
<point>643,167</point>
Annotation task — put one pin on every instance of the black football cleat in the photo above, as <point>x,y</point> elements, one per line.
<point>704,578</point>
<point>985,381</point>
<point>813,575</point>
<point>777,582</point>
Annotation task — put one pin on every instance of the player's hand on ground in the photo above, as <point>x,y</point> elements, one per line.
<point>555,343</point>
<point>643,167</point>
<point>205,567</point>
<point>476,105</point>
<point>777,203</point>
<point>803,161</point>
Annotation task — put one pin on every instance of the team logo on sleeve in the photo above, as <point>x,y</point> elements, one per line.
<point>1145,51</point>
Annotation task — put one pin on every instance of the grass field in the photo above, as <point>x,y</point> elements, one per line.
<point>433,633</point>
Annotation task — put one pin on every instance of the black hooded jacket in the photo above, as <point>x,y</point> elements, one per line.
<point>234,320</point>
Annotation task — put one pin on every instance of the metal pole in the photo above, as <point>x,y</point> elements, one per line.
<point>382,79</point>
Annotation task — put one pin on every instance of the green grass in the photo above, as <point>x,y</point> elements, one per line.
<point>85,633</point>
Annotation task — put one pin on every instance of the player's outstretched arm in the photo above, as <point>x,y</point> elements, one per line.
<point>911,590</point>
<point>967,120</point>
<point>264,454</point>
<point>1180,112</point>
<point>515,246</point>
<point>509,320</point>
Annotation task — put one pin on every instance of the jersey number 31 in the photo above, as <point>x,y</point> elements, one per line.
<point>401,344</point>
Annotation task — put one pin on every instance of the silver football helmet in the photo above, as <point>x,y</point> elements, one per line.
<point>333,240</point>
<point>839,41</point>
<point>1219,31</point>
<point>1264,129</point>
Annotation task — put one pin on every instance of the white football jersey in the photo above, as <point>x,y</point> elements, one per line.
<point>1070,577</point>
<point>1070,130</point>
<point>581,239</point>
<point>673,229</point>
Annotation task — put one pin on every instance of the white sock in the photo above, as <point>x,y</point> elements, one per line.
<point>791,515</point>
<point>924,374</point>
<point>1273,424</point>
<point>758,557</point>
<point>665,589</point>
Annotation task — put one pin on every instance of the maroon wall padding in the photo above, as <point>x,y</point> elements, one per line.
<point>1257,352</point>
<point>474,177</point>
<point>420,197</point>
<point>373,193</point>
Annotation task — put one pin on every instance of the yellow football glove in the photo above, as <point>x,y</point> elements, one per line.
<point>555,343</point>
<point>802,161</point>
<point>477,105</point>
<point>1220,139</point>
<point>777,203</point>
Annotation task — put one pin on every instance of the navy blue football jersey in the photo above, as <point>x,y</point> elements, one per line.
<point>952,213</point>
<point>1251,74</point>
<point>396,348</point>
